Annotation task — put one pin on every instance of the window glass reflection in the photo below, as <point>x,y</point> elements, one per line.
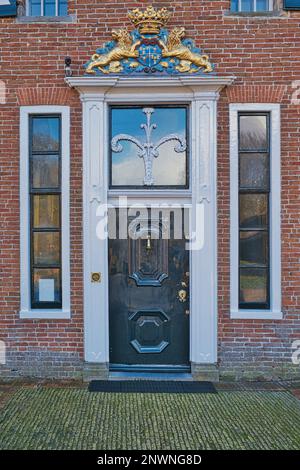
<point>46,210</point>
<point>253,286</point>
<point>168,166</point>
<point>254,170</point>
<point>45,134</point>
<point>253,210</point>
<point>253,248</point>
<point>46,248</point>
<point>254,189</point>
<point>45,171</point>
<point>253,132</point>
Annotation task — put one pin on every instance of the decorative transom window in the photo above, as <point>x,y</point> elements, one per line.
<point>251,5</point>
<point>47,7</point>
<point>149,147</point>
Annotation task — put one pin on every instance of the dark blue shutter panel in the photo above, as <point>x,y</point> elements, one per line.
<point>291,4</point>
<point>8,8</point>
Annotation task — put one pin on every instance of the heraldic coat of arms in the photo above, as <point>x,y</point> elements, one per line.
<point>149,48</point>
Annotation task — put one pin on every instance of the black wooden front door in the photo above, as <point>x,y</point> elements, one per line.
<point>149,301</point>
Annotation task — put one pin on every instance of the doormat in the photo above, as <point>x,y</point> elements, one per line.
<point>150,386</point>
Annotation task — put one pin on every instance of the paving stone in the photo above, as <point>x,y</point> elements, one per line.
<point>43,417</point>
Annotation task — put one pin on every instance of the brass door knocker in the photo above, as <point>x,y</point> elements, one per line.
<point>182,295</point>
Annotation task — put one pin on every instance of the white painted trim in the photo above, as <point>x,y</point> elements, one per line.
<point>255,315</point>
<point>95,251</point>
<point>209,83</point>
<point>275,235</point>
<point>204,314</point>
<point>201,93</point>
<point>25,310</point>
<point>46,314</point>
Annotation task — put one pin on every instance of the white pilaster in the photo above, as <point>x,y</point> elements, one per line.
<point>204,258</point>
<point>95,250</point>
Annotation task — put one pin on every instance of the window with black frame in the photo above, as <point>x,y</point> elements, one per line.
<point>254,193</point>
<point>45,209</point>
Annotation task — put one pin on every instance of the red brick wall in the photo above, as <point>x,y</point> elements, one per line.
<point>262,52</point>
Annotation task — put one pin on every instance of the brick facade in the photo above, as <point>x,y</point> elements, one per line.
<point>263,53</point>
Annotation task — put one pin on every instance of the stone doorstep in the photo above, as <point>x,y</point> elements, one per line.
<point>199,372</point>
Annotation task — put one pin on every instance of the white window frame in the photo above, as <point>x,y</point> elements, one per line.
<point>26,311</point>
<point>240,10</point>
<point>42,7</point>
<point>275,236</point>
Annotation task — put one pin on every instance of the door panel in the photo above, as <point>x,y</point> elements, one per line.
<point>149,322</point>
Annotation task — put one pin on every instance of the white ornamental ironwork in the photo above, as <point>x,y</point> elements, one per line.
<point>148,150</point>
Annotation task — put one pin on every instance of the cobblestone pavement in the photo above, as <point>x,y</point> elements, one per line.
<point>59,416</point>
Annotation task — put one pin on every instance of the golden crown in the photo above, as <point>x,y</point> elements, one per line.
<point>149,21</point>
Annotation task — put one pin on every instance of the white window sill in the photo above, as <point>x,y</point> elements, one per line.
<point>49,314</point>
<point>256,314</point>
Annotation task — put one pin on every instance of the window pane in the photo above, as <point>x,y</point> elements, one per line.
<point>46,211</point>
<point>253,210</point>
<point>262,5</point>
<point>253,248</point>
<point>253,132</point>
<point>49,7</point>
<point>167,165</point>
<point>171,168</point>
<point>45,134</point>
<point>46,248</point>
<point>234,5</point>
<point>247,5</point>
<point>253,285</point>
<point>45,171</point>
<point>46,285</point>
<point>254,170</point>
<point>63,8</point>
<point>35,8</point>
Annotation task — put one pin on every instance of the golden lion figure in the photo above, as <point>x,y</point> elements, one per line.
<point>175,48</point>
<point>124,49</point>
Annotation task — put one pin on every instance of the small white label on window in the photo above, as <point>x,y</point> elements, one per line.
<point>46,290</point>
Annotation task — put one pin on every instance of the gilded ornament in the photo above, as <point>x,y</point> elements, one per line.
<point>149,49</point>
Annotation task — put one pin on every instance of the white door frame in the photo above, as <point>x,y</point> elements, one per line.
<point>202,94</point>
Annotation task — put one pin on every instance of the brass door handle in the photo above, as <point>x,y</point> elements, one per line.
<point>182,294</point>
